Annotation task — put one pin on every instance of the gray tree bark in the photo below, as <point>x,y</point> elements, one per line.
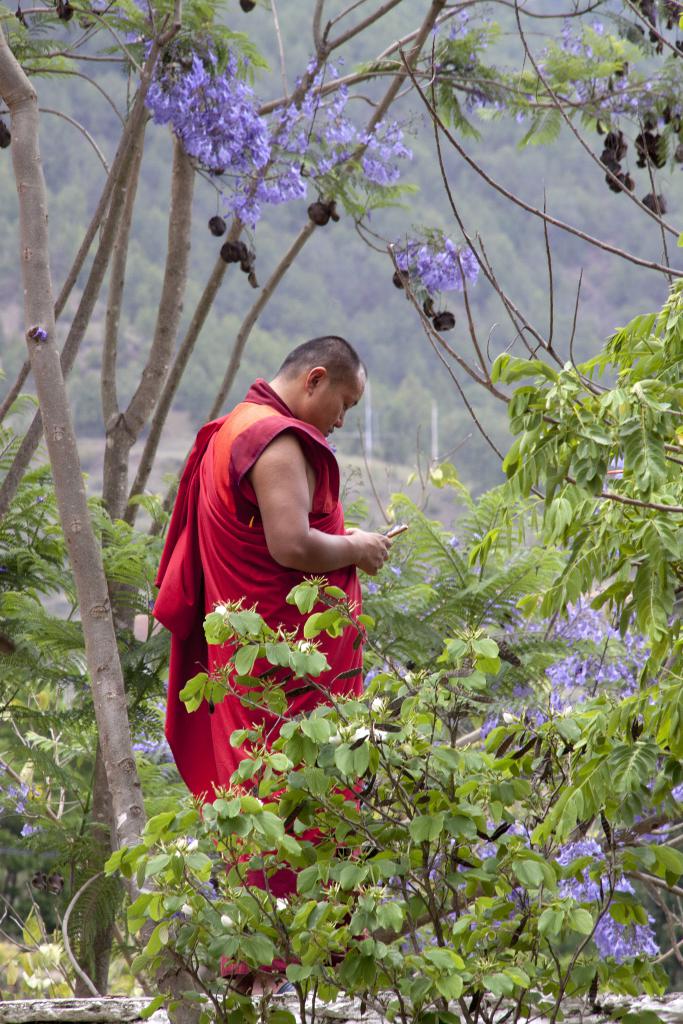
<point>123,427</point>
<point>120,172</point>
<point>100,642</point>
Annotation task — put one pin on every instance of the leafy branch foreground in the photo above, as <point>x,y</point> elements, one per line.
<point>434,876</point>
<point>496,823</point>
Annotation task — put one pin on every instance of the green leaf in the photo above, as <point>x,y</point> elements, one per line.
<point>581,921</point>
<point>551,921</point>
<point>427,827</point>
<point>156,864</point>
<point>245,658</point>
<point>534,873</point>
<point>317,729</point>
<point>445,959</point>
<point>152,1007</point>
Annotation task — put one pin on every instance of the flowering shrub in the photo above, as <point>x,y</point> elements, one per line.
<point>453,875</point>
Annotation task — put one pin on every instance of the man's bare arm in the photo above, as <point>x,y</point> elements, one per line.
<point>282,491</point>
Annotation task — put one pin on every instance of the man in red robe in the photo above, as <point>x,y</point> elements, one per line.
<point>258,510</point>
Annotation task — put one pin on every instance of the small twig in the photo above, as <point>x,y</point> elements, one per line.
<point>65,934</point>
<point>79,74</point>
<point>642,876</point>
<point>507,194</point>
<point>558,106</point>
<point>576,313</point>
<point>370,477</point>
<point>84,131</point>
<point>551,289</point>
<point>281,49</point>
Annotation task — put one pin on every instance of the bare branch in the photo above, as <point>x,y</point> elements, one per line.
<point>569,228</point>
<point>65,935</point>
<point>568,121</point>
<point>317,30</point>
<point>34,69</point>
<point>125,428</point>
<point>281,48</point>
<point>117,278</point>
<point>171,384</point>
<point>84,132</point>
<point>409,60</point>
<point>13,393</point>
<point>254,313</point>
<point>362,25</point>
<point>574,319</point>
<point>551,288</point>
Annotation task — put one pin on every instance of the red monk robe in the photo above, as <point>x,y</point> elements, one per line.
<point>216,552</point>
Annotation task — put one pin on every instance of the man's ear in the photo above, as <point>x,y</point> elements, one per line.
<point>314,377</point>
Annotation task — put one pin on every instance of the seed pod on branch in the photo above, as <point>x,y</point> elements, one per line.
<point>444,321</point>
<point>319,213</point>
<point>231,252</point>
<point>217,226</point>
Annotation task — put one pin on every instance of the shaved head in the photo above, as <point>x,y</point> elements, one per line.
<point>339,358</point>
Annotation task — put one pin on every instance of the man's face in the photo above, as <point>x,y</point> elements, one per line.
<point>327,401</point>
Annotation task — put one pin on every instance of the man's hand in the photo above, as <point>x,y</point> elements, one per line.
<point>371,550</point>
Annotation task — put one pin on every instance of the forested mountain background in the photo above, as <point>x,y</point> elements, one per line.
<point>339,284</point>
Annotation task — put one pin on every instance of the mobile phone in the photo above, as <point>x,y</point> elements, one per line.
<point>395,530</point>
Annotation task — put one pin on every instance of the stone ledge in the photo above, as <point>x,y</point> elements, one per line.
<point>117,1010</point>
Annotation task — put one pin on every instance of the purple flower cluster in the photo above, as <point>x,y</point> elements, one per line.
<point>438,264</point>
<point>155,749</point>
<point>15,797</point>
<point>385,147</point>
<point>581,675</point>
<point>612,939</point>
<point>213,113</point>
<point>320,129</point>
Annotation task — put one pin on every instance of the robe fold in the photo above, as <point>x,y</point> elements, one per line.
<point>216,552</point>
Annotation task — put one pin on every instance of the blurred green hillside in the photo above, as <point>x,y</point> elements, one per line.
<point>339,284</point>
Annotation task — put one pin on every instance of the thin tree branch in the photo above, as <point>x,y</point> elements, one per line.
<point>569,228</point>
<point>254,313</point>
<point>13,393</point>
<point>34,69</point>
<point>84,132</point>
<point>551,287</point>
<point>577,134</point>
<point>94,282</point>
<point>362,25</point>
<point>117,277</point>
<point>65,935</point>
<point>317,30</point>
<point>171,384</point>
<point>281,48</point>
<point>122,434</point>
<point>408,60</point>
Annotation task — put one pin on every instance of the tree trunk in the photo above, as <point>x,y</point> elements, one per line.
<point>94,953</point>
<point>119,173</point>
<point>86,560</point>
<point>123,428</point>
